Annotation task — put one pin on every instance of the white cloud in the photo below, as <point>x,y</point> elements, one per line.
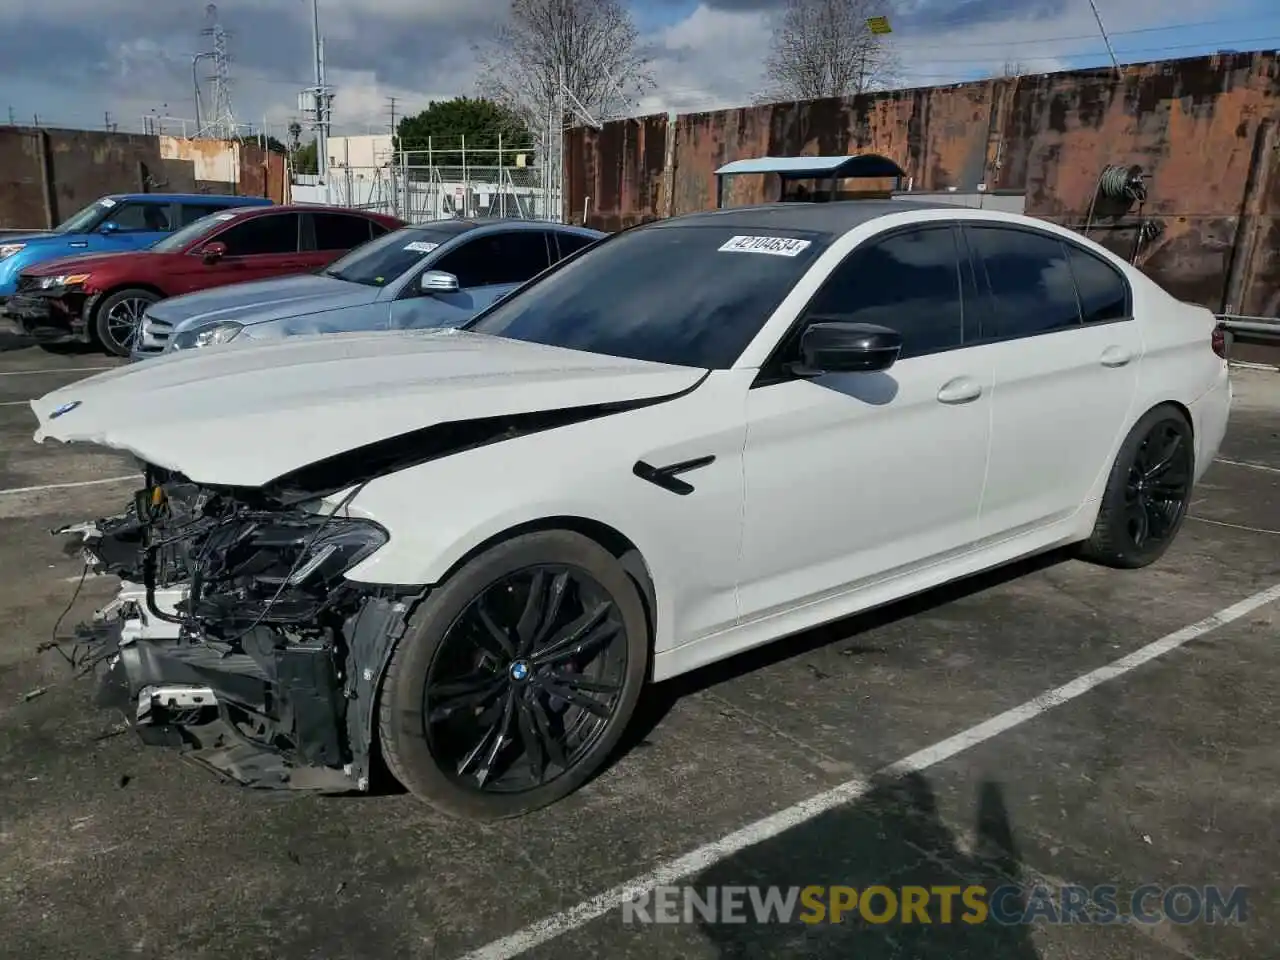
<point>133,59</point>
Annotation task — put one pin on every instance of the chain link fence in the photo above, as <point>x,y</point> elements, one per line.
<point>434,184</point>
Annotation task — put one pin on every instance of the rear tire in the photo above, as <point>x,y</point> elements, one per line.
<point>506,728</point>
<point>118,318</point>
<point>1147,493</point>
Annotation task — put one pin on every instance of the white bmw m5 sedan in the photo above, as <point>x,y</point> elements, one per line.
<point>470,550</point>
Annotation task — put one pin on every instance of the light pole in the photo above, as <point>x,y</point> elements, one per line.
<point>322,102</point>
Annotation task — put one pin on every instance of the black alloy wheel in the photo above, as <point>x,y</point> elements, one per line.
<point>511,696</point>
<point>525,680</point>
<point>1158,485</point>
<point>1147,493</point>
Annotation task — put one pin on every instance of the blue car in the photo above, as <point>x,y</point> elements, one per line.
<point>439,274</point>
<point>116,223</point>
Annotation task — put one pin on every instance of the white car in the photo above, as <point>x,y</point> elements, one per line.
<point>472,549</point>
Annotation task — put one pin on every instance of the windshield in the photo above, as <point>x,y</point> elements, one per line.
<point>689,295</point>
<point>176,241</point>
<point>380,261</point>
<point>86,219</point>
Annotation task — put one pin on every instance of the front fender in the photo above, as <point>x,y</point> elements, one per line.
<point>438,512</point>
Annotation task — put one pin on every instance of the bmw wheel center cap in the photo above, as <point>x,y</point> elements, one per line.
<point>520,670</point>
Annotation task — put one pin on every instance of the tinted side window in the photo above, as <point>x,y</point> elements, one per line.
<point>337,231</point>
<point>909,282</point>
<point>1030,281</point>
<point>571,243</point>
<point>190,212</point>
<point>150,217</point>
<point>1104,294</point>
<point>498,258</point>
<point>274,233</point>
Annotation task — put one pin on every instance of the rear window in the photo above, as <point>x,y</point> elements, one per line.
<point>688,295</point>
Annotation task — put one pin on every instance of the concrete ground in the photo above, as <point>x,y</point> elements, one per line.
<point>1168,774</point>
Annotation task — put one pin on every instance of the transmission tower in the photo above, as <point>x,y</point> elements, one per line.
<point>220,121</point>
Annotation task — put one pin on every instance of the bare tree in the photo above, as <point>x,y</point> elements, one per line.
<point>564,56</point>
<point>824,48</point>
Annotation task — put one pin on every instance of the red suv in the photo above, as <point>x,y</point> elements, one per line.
<point>101,299</point>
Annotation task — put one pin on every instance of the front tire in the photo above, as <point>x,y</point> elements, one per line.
<point>118,319</point>
<point>1147,493</point>
<point>516,678</point>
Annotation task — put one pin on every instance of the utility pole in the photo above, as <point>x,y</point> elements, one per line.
<point>393,161</point>
<point>322,103</point>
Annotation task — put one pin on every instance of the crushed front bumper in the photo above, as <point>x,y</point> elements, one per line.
<point>275,693</point>
<point>51,317</point>
<point>291,724</point>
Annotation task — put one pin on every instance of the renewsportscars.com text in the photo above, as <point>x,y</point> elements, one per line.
<point>1007,905</point>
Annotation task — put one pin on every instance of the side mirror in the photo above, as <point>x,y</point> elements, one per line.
<point>840,347</point>
<point>213,251</point>
<point>437,281</point>
<point>109,227</point>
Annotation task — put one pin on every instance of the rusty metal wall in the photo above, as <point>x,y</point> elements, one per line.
<point>47,175</point>
<point>1203,129</point>
<point>262,173</point>
<point>22,179</point>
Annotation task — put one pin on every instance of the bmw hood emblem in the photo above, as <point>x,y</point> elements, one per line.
<point>65,408</point>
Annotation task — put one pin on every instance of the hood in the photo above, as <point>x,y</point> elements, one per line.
<point>262,300</point>
<point>85,262</point>
<point>245,414</point>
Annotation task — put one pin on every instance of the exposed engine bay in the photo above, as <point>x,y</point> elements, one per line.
<point>235,635</point>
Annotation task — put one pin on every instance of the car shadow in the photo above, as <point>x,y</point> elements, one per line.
<point>893,837</point>
<point>12,339</point>
<point>660,698</point>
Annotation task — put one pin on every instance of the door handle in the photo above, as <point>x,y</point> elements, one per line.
<point>1115,357</point>
<point>960,390</point>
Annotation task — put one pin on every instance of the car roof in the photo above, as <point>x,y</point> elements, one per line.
<point>191,198</point>
<point>262,211</point>
<point>834,218</point>
<point>460,225</point>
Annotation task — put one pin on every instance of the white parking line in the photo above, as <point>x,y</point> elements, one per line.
<point>16,403</point>
<point>27,373</point>
<point>700,859</point>
<point>66,486</point>
<point>1245,463</point>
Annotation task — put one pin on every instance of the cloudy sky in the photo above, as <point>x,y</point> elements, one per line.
<point>70,62</point>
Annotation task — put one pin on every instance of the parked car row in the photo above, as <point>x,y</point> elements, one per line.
<point>436,275</point>
<point>273,268</point>
<point>468,550</point>
<point>112,224</point>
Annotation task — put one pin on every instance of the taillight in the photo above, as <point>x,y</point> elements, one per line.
<point>1219,341</point>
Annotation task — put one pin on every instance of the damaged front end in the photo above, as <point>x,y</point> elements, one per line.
<point>236,635</point>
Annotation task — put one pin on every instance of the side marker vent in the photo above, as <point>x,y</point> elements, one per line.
<point>668,477</point>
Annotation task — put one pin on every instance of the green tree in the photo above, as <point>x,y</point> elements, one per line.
<point>446,122</point>
<point>275,146</point>
<point>304,159</point>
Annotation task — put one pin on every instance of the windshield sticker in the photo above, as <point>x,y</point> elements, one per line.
<point>107,202</point>
<point>774,246</point>
<point>224,216</point>
<point>421,246</point>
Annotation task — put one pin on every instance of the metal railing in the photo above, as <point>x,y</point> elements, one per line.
<point>1262,327</point>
